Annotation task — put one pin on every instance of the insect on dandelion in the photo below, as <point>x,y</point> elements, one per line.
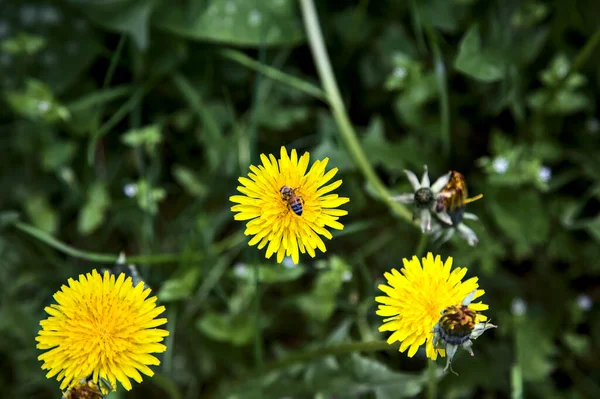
<point>427,303</point>
<point>100,331</point>
<point>287,207</point>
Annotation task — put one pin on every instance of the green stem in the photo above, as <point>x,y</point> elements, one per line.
<point>258,352</point>
<point>41,235</point>
<point>516,382</point>
<point>516,373</point>
<point>421,245</point>
<point>431,379</point>
<point>321,58</point>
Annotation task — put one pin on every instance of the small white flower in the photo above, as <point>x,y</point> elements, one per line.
<point>399,72</point>
<point>545,174</point>
<point>43,106</point>
<point>518,307</point>
<point>500,165</point>
<point>130,190</point>
<point>347,276</point>
<point>240,270</point>
<point>584,302</point>
<point>254,18</point>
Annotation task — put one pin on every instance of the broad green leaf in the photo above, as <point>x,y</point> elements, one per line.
<point>127,16</point>
<point>237,330</point>
<point>521,217</point>
<point>94,211</point>
<point>42,213</point>
<point>535,349</point>
<point>58,154</point>
<point>238,22</point>
<point>179,287</point>
<point>478,62</point>
<point>320,303</point>
<point>189,181</point>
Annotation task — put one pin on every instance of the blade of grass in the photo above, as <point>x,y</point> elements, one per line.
<point>121,113</point>
<point>114,61</point>
<point>345,129</point>
<point>100,97</point>
<point>195,101</point>
<point>442,84</point>
<point>274,73</point>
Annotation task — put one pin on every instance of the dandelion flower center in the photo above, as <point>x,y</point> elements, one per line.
<point>417,295</point>
<point>287,207</point>
<point>102,327</point>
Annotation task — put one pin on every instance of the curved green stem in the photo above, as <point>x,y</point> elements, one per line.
<point>46,238</point>
<point>346,131</point>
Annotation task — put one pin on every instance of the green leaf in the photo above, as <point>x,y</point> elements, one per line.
<point>521,217</point>
<point>562,103</point>
<point>23,43</point>
<point>478,62</point>
<point>58,154</point>
<point>94,211</point>
<point>269,273</point>
<point>320,303</point>
<point>148,197</point>
<point>535,349</point>
<point>126,16</point>
<point>237,330</point>
<point>239,22</point>
<point>41,213</point>
<point>372,375</point>
<point>147,137</point>
<point>37,102</point>
<point>190,182</point>
<point>180,287</point>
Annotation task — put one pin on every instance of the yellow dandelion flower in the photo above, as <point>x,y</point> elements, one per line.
<point>416,298</point>
<point>101,327</point>
<point>288,208</point>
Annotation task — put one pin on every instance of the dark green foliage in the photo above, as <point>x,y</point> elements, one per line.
<point>125,125</point>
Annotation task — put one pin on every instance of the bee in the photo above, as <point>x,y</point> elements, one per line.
<point>88,389</point>
<point>293,200</point>
<point>454,195</point>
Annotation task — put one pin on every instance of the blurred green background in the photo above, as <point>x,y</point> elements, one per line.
<point>125,124</point>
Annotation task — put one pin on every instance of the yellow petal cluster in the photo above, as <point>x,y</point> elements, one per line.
<point>101,326</point>
<point>271,221</point>
<point>415,297</point>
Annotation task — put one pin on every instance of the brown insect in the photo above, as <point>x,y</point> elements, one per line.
<point>454,194</point>
<point>88,389</point>
<point>293,200</point>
